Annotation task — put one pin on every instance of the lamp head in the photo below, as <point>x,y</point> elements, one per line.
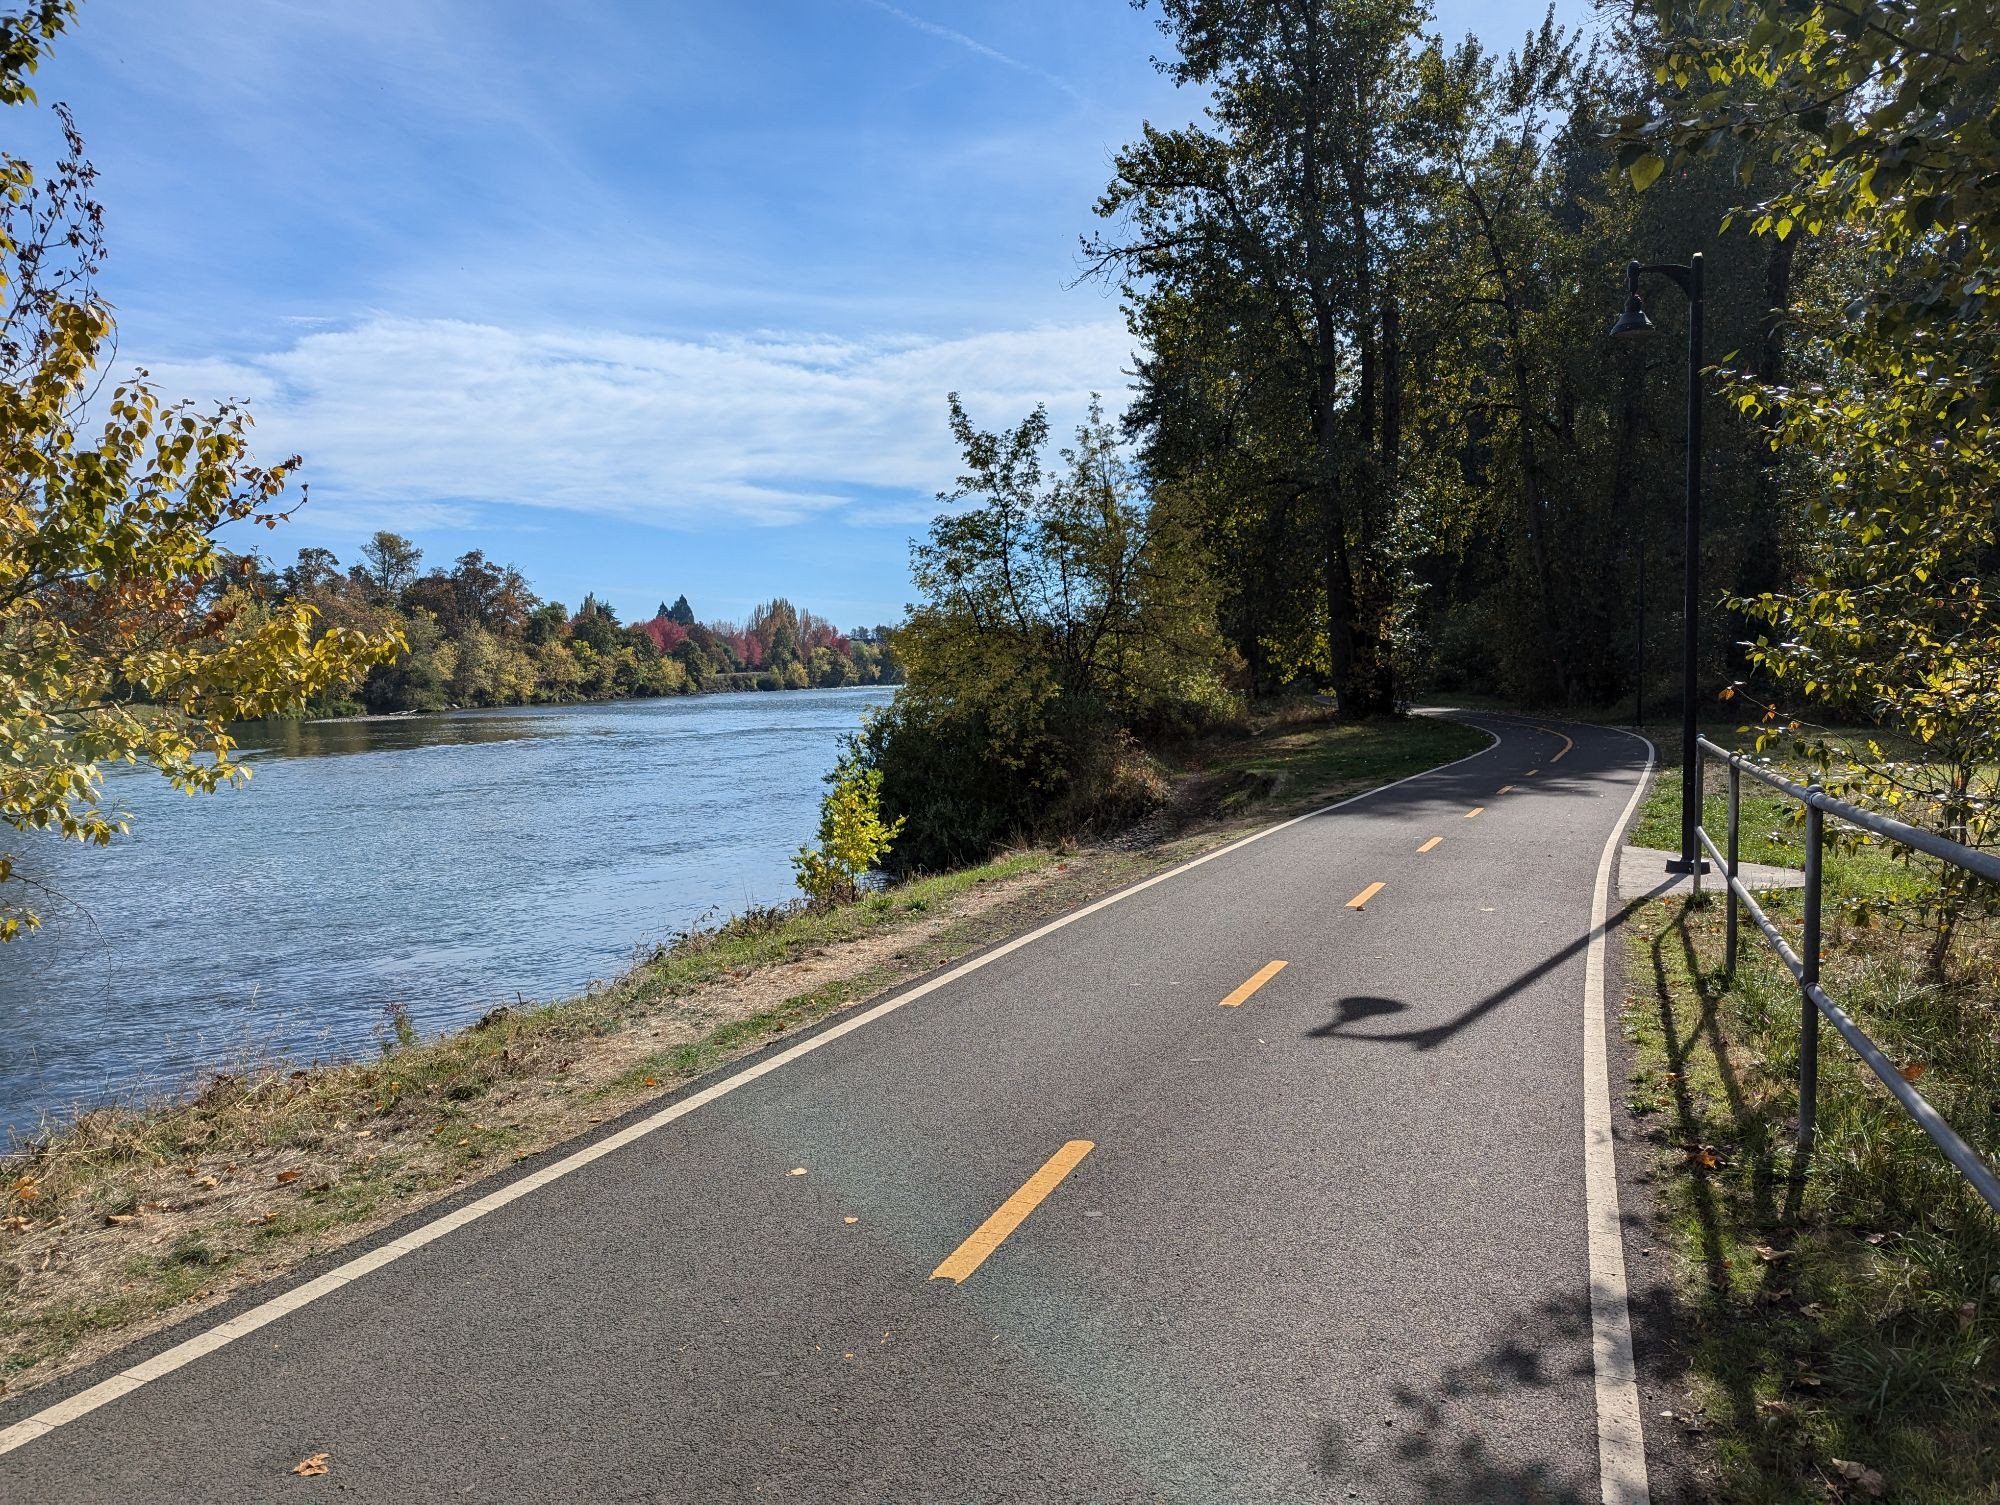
<point>1634,320</point>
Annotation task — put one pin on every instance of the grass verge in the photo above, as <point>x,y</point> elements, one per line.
<point>1841,1322</point>
<point>129,1218</point>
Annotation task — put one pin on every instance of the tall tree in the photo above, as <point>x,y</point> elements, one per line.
<point>391,562</point>
<point>1278,221</point>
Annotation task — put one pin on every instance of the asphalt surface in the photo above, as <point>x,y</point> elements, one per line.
<point>1328,1245</point>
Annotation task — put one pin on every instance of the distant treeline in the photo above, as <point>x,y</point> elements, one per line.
<point>477,635</point>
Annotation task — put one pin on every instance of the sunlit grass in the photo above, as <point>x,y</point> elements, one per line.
<point>1849,1310</point>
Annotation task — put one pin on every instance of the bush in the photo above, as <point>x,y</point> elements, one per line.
<point>956,800</point>
<point>853,837</point>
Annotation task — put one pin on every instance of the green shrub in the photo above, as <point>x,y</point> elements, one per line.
<point>853,837</point>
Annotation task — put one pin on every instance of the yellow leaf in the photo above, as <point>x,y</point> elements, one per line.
<point>1646,171</point>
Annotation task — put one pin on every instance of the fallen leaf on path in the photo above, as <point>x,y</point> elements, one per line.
<point>1875,1238</point>
<point>119,1217</point>
<point>1775,1407</point>
<point>652,1081</point>
<point>1859,1473</point>
<point>844,1220</point>
<point>797,1170</point>
<point>310,1468</point>
<point>25,1188</point>
<point>208,1183</point>
<point>18,1223</point>
<point>1771,1256</point>
<point>1914,1070</point>
<point>286,1177</point>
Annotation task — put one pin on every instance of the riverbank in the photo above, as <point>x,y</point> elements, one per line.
<point>1839,1331</point>
<point>743,682</point>
<point>130,1219</point>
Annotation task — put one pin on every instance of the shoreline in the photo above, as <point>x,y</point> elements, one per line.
<point>553,705</point>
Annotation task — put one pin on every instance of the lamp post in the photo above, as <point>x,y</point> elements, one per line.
<point>1633,322</point>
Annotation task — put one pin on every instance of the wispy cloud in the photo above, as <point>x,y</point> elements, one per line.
<point>973,44</point>
<point>768,429</point>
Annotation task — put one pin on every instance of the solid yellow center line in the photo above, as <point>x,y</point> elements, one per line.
<point>1474,811</point>
<point>1429,844</point>
<point>1567,744</point>
<point>1365,895</point>
<point>989,1235</point>
<point>1264,974</point>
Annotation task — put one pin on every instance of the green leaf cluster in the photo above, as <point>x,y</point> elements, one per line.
<point>853,837</point>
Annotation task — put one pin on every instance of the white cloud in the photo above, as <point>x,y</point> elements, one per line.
<point>769,428</point>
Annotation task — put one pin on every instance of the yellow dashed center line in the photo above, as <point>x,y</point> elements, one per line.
<point>1365,895</point>
<point>1263,975</point>
<point>1567,744</point>
<point>989,1235</point>
<point>1474,811</point>
<point>1429,844</point>
<point>1506,788</point>
<point>1531,773</point>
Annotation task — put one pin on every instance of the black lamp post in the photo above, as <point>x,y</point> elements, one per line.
<point>1634,322</point>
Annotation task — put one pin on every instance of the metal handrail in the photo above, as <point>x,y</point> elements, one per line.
<point>1813,999</point>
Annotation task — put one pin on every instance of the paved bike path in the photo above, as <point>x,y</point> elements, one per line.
<point>1327,1244</point>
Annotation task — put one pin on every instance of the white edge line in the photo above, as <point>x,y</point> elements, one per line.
<point>1621,1440</point>
<point>168,1360</point>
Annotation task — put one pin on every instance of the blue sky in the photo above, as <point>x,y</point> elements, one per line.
<point>644,296</point>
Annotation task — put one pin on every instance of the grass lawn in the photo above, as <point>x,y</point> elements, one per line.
<point>1842,1320</point>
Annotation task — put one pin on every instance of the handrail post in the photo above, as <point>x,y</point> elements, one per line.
<point>1729,919</point>
<point>1700,775</point>
<point>1808,980</point>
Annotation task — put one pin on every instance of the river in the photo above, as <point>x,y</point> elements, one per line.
<point>444,863</point>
